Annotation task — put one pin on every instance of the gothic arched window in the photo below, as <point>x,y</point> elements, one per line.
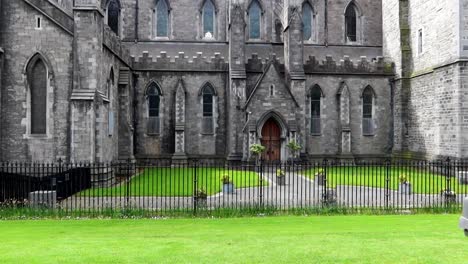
<point>208,14</point>
<point>153,96</point>
<point>255,20</point>
<point>113,15</point>
<point>315,108</point>
<point>367,111</point>
<point>37,79</point>
<point>307,21</point>
<point>162,19</point>
<point>351,23</point>
<point>208,94</point>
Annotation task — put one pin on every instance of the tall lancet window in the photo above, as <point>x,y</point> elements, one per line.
<point>307,21</point>
<point>315,109</point>
<point>162,19</point>
<point>153,95</point>
<point>367,111</point>
<point>208,94</point>
<point>351,23</point>
<point>37,80</point>
<point>208,20</point>
<point>255,20</point>
<point>113,15</point>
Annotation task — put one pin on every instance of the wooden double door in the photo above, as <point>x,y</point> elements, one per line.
<point>271,139</point>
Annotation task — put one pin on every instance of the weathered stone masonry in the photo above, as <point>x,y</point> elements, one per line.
<point>97,80</point>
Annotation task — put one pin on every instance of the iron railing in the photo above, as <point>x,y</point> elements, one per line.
<point>163,186</point>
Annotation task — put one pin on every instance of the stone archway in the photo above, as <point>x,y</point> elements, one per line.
<point>271,139</point>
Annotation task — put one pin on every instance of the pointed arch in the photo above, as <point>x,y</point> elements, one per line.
<point>208,13</point>
<point>368,102</point>
<point>161,18</point>
<point>113,8</point>
<point>308,21</point>
<point>207,85</point>
<point>315,94</point>
<point>280,120</point>
<point>37,76</point>
<point>352,14</point>
<point>153,96</point>
<point>208,96</point>
<point>368,89</point>
<point>255,12</point>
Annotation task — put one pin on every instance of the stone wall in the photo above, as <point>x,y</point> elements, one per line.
<point>329,141</point>
<point>197,144</point>
<point>20,41</point>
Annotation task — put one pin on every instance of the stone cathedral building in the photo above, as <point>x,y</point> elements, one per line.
<point>107,80</point>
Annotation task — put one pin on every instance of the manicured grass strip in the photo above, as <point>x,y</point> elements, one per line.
<point>177,182</point>
<point>423,182</point>
<point>317,239</point>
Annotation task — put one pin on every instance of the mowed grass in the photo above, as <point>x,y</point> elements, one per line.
<point>316,239</point>
<point>423,182</point>
<point>177,182</point>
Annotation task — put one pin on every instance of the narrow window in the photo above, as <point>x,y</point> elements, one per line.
<point>351,23</point>
<point>255,16</point>
<point>113,15</point>
<point>367,118</point>
<point>153,96</point>
<point>207,122</point>
<point>315,101</point>
<point>37,79</point>
<point>208,19</point>
<point>307,19</point>
<point>272,90</point>
<point>420,41</point>
<point>38,22</point>
<point>162,19</point>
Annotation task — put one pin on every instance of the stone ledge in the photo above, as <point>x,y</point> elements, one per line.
<point>163,62</point>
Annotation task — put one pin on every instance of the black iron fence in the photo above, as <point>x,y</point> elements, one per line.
<point>196,185</point>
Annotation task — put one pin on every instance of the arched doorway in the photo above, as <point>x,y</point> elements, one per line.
<point>271,139</point>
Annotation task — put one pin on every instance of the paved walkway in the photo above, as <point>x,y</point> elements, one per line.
<point>298,192</point>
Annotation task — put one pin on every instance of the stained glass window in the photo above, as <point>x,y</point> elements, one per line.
<point>162,19</point>
<point>255,16</point>
<point>307,21</point>
<point>208,19</point>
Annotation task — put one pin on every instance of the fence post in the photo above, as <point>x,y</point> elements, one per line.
<point>447,191</point>
<point>387,182</point>
<point>127,184</point>
<point>195,187</point>
<point>324,191</point>
<point>261,183</point>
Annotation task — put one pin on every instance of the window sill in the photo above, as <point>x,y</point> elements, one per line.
<point>38,136</point>
<point>368,135</point>
<point>316,134</point>
<point>153,134</point>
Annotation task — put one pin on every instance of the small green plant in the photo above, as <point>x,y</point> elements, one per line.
<point>319,172</point>
<point>201,194</point>
<point>279,173</point>
<point>226,179</point>
<point>293,146</point>
<point>257,149</point>
<point>403,179</point>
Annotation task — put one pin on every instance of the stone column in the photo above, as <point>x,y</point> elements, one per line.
<point>88,40</point>
<point>180,156</point>
<point>344,111</point>
<point>125,124</point>
<point>294,66</point>
<point>237,83</point>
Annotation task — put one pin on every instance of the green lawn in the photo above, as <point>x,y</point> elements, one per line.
<point>316,239</point>
<point>423,182</point>
<point>177,182</point>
